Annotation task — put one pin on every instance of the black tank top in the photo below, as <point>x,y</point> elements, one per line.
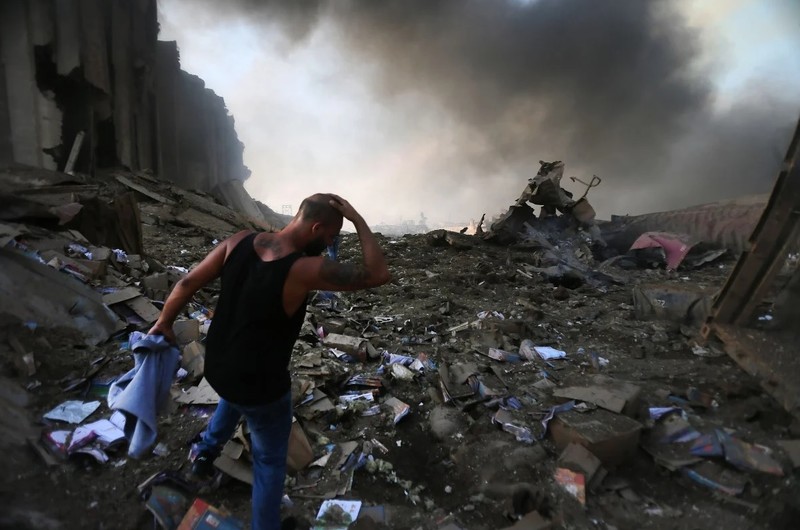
<point>251,337</point>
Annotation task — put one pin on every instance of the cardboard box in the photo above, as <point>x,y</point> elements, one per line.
<point>613,438</point>
<point>193,359</point>
<point>186,330</point>
<point>97,269</point>
<point>617,396</point>
<point>202,516</point>
<point>298,457</point>
<point>579,459</point>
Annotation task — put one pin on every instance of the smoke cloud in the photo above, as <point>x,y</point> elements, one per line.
<point>617,89</point>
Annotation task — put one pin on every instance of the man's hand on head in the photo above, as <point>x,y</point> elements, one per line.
<point>345,208</point>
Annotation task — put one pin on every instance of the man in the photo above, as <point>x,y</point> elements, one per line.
<point>266,278</point>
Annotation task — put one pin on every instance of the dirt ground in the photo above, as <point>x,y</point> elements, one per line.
<point>472,477</point>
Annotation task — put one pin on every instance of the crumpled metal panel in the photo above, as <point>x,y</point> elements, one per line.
<point>727,224</point>
<point>675,246</point>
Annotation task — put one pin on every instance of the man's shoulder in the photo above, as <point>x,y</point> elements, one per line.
<point>236,238</point>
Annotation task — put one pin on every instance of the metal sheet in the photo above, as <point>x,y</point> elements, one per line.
<point>770,357</point>
<point>777,229</point>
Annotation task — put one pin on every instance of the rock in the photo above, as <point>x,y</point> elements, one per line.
<point>524,456</point>
<point>445,422</point>
<point>659,337</point>
<point>560,293</point>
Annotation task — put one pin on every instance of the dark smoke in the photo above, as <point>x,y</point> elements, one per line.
<point>612,88</point>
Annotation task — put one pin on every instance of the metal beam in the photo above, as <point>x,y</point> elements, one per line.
<point>757,268</point>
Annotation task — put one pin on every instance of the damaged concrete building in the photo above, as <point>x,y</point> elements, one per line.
<point>554,371</point>
<point>85,85</point>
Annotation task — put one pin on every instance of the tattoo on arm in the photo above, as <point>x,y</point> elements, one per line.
<point>343,274</point>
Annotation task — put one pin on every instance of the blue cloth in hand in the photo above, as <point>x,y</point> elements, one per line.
<point>142,393</point>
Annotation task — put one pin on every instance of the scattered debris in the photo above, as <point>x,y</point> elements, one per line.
<point>613,438</point>
<point>337,515</point>
<point>502,353</point>
<point>573,483</point>
<point>202,515</point>
<point>580,460</point>
<point>616,396</point>
<point>72,411</point>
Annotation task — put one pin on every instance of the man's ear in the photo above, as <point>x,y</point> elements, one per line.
<point>316,228</point>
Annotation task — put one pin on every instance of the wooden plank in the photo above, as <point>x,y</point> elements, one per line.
<point>121,295</point>
<point>144,308</point>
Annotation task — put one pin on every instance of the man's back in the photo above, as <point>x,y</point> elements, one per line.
<point>251,336</point>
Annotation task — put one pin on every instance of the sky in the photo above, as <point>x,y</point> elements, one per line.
<point>404,109</point>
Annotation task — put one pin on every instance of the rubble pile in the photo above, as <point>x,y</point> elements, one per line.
<point>529,384</point>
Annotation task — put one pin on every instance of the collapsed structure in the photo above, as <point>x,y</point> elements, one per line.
<point>85,85</point>
<point>531,372</point>
<point>532,362</point>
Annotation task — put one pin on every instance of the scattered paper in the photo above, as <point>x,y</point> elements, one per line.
<point>401,373</point>
<point>547,353</point>
<point>506,422</point>
<point>362,396</point>
<point>202,394</point>
<point>118,420</point>
<point>337,515</point>
<point>107,433</point>
<point>659,412</point>
<point>503,356</point>
<point>564,407</point>
<point>398,408</point>
<point>72,411</point>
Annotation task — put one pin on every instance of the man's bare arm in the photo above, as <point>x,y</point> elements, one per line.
<point>208,269</point>
<point>323,274</point>
<point>344,275</point>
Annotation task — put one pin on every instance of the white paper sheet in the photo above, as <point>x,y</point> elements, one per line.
<point>547,353</point>
<point>352,508</point>
<point>72,411</point>
<point>107,433</point>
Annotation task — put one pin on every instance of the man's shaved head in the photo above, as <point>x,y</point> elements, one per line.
<point>317,209</point>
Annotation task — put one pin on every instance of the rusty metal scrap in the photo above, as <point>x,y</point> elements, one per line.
<point>676,246</point>
<point>772,356</point>
<point>545,190</point>
<point>777,229</point>
<point>768,357</point>
<point>725,224</point>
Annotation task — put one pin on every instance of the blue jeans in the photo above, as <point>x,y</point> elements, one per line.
<point>270,425</point>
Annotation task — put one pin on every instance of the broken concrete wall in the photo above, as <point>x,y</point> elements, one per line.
<point>233,194</point>
<point>197,127</point>
<point>96,67</point>
<point>166,73</point>
<point>33,120</point>
<point>69,67</point>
